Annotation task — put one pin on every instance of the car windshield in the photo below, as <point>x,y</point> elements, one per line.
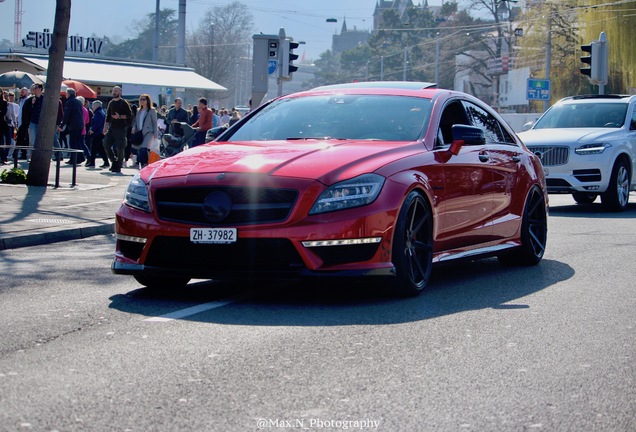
<point>364,117</point>
<point>582,115</point>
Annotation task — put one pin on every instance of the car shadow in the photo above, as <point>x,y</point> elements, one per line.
<point>593,211</point>
<point>453,289</point>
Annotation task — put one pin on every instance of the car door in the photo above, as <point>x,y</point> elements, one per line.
<point>504,158</point>
<point>467,197</point>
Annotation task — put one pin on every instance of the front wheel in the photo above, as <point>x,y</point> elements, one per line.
<point>534,232</point>
<point>616,197</point>
<point>412,252</point>
<point>162,282</point>
<point>584,198</point>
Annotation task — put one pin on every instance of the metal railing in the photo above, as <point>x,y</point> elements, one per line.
<point>57,151</point>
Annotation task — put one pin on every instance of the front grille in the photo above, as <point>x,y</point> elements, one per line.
<point>250,205</point>
<point>587,175</point>
<point>246,255</point>
<point>557,183</point>
<point>551,155</point>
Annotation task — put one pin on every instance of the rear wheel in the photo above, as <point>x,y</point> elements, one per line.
<point>584,198</point>
<point>534,232</point>
<point>616,197</point>
<point>162,282</point>
<point>413,245</point>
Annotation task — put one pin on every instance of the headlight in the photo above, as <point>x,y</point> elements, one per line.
<point>137,194</point>
<point>351,193</point>
<point>589,149</point>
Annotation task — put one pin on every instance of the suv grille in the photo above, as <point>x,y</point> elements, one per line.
<point>248,205</point>
<point>551,155</point>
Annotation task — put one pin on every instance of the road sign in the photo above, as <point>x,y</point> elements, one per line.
<point>271,66</point>
<point>538,89</point>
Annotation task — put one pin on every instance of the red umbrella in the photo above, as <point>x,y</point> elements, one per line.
<point>81,89</point>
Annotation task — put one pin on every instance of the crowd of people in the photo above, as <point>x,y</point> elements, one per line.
<point>119,133</point>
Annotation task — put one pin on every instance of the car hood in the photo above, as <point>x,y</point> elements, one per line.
<point>569,136</point>
<point>300,159</point>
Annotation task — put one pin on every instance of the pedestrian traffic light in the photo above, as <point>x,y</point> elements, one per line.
<point>287,58</point>
<point>592,59</point>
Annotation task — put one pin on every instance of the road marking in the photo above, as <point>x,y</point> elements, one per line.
<point>194,310</point>
<point>89,203</point>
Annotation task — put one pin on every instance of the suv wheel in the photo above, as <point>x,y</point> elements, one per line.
<point>616,197</point>
<point>584,198</point>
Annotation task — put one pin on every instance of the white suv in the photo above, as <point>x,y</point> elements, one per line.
<point>588,148</point>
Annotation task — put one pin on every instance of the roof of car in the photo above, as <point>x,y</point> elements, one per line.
<point>404,85</point>
<point>596,98</point>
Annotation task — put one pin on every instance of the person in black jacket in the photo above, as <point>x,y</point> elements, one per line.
<point>74,123</point>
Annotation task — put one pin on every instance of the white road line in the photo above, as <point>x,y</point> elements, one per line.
<point>88,204</point>
<point>194,310</point>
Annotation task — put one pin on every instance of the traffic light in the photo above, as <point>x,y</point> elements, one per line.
<point>287,58</point>
<point>592,59</point>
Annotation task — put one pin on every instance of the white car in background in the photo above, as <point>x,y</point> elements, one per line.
<point>587,145</point>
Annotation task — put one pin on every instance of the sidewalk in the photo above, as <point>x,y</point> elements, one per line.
<point>38,215</point>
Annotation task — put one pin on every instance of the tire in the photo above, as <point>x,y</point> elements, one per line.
<point>584,198</point>
<point>412,252</point>
<point>162,282</point>
<point>616,197</point>
<point>534,232</point>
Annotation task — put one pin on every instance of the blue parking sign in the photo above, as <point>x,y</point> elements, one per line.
<point>538,89</point>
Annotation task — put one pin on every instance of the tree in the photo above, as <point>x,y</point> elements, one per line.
<point>41,159</point>
<point>220,42</point>
<point>140,47</point>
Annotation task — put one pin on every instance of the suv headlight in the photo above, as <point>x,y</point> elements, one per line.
<point>137,194</point>
<point>590,149</point>
<point>355,192</point>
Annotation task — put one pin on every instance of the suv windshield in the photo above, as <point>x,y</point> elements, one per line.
<point>365,117</point>
<point>582,115</point>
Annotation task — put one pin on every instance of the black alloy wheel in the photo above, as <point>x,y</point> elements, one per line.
<point>534,232</point>
<point>413,245</point>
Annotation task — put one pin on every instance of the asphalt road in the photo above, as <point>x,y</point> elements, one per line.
<point>487,348</point>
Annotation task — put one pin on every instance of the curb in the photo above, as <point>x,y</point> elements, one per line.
<point>75,233</point>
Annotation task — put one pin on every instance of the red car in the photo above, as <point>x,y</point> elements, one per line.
<point>364,180</point>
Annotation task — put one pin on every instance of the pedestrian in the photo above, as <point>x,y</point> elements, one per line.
<point>87,114</point>
<point>35,101</point>
<point>13,110</point>
<point>236,116</point>
<point>225,117</point>
<point>4,127</point>
<point>96,135</point>
<point>175,116</point>
<point>146,122</point>
<point>194,116</point>
<point>118,117</point>
<point>73,122</point>
<point>203,124</point>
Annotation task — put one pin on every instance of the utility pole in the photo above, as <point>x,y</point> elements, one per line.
<point>548,57</point>
<point>155,39</point>
<point>181,31</point>
<point>406,53</point>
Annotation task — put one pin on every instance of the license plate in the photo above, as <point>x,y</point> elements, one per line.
<point>213,235</point>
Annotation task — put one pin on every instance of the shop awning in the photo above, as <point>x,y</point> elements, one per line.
<point>99,72</point>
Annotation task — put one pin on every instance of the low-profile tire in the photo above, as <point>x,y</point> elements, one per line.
<point>616,197</point>
<point>162,282</point>
<point>412,252</point>
<point>534,232</point>
<point>584,198</point>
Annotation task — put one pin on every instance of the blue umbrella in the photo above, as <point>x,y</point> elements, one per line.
<point>18,79</point>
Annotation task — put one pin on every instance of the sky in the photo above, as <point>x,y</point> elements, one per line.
<point>304,20</point>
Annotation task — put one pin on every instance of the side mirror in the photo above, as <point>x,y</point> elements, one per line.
<point>466,135</point>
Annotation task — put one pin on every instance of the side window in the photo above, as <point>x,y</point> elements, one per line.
<point>483,119</point>
<point>452,114</point>
<point>632,125</point>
